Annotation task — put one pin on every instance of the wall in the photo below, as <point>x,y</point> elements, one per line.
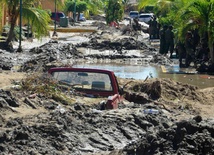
<point>3,16</point>
<point>49,5</point>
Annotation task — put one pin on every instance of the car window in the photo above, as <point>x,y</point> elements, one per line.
<point>58,14</point>
<point>84,80</point>
<point>133,13</point>
<point>52,15</point>
<point>145,16</point>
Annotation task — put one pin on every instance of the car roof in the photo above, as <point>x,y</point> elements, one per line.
<point>57,12</point>
<point>60,14</point>
<point>146,14</point>
<point>133,11</point>
<point>57,69</point>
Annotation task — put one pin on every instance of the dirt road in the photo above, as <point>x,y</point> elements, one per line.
<point>32,123</point>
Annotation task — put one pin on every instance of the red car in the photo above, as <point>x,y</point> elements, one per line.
<point>57,15</point>
<point>91,83</point>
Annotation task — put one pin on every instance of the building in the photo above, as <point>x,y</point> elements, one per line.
<point>46,5</point>
<point>50,5</point>
<point>4,16</point>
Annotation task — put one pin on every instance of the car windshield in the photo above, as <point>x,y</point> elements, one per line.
<point>84,80</point>
<point>58,14</point>
<point>133,13</point>
<point>145,16</point>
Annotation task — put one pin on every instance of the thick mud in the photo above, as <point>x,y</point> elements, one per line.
<point>82,128</point>
<point>160,116</point>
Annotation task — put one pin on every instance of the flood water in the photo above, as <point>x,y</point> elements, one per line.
<point>142,71</point>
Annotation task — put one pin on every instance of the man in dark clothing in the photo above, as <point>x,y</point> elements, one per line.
<point>126,29</point>
<point>189,45</point>
<point>180,49</point>
<point>153,28</point>
<point>169,37</point>
<point>162,49</point>
<point>136,25</point>
<point>202,53</point>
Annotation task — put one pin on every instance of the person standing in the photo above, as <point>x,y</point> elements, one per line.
<point>180,48</point>
<point>153,28</point>
<point>136,25</point>
<point>189,46</point>
<point>169,37</point>
<point>162,49</point>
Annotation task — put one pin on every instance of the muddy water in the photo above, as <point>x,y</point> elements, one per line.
<point>142,71</point>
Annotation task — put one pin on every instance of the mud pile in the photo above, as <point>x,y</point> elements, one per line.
<point>54,51</point>
<point>42,125</point>
<point>107,43</point>
<point>164,88</point>
<point>84,129</point>
<point>186,137</point>
<point>117,44</point>
<point>50,52</point>
<point>175,97</point>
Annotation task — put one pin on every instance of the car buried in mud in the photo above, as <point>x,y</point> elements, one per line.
<point>90,83</point>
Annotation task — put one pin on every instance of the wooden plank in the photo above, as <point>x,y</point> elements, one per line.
<point>163,69</point>
<point>177,70</point>
<point>75,29</point>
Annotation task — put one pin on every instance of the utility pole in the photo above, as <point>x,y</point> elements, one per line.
<point>74,11</point>
<point>55,33</point>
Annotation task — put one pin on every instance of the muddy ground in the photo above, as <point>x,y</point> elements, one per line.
<point>33,123</point>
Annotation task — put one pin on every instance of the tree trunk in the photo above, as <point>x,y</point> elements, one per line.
<point>11,35</point>
<point>78,17</point>
<point>211,53</point>
<point>210,42</point>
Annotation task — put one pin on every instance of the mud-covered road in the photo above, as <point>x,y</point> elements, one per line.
<point>32,123</point>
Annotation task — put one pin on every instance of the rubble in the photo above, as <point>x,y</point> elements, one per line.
<point>32,123</point>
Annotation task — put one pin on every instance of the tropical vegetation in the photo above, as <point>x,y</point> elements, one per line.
<point>113,8</point>
<point>89,7</point>
<point>32,14</point>
<point>95,7</point>
<point>1,10</point>
<point>114,11</point>
<point>75,6</point>
<point>185,16</point>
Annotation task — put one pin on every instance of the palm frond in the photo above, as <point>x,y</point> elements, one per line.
<point>38,19</point>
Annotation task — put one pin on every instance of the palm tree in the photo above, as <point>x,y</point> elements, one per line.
<point>188,15</point>
<point>75,6</point>
<point>95,6</point>
<point>125,4</point>
<point>92,6</point>
<point>199,15</point>
<point>36,17</point>
<point>165,9</point>
<point>114,11</point>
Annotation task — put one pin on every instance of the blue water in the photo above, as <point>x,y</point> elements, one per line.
<point>141,72</point>
<point>127,71</point>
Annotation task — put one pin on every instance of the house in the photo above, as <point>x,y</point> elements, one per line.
<point>50,5</point>
<point>4,19</point>
<point>46,5</point>
<point>133,2</point>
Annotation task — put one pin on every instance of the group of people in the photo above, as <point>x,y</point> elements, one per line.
<point>165,35</point>
<point>166,40</point>
<point>154,28</point>
<point>193,49</point>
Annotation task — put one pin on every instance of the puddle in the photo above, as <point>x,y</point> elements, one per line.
<point>142,71</point>
<point>73,39</point>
